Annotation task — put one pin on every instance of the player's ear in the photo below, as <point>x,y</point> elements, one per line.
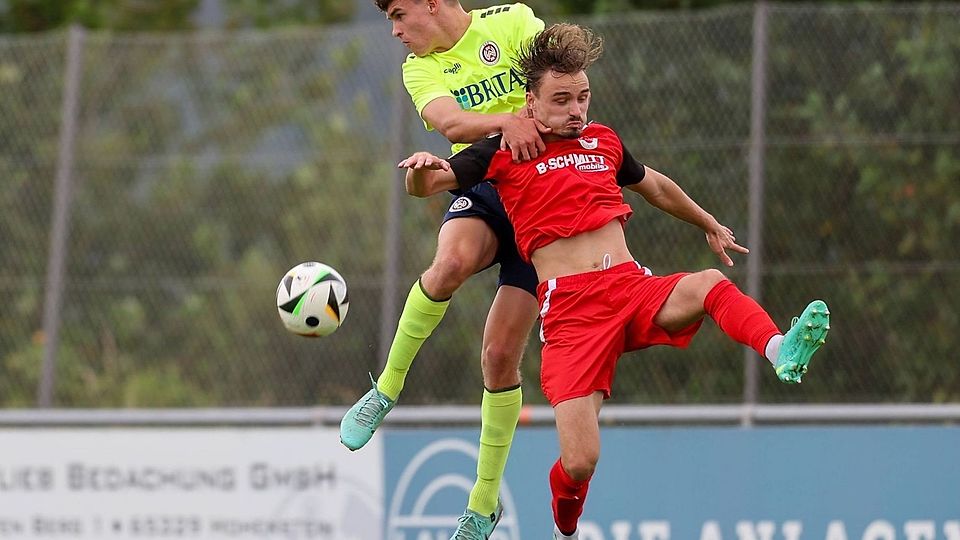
<point>531,102</point>
<point>431,6</point>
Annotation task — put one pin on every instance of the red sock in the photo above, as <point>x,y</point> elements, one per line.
<point>740,316</point>
<point>568,498</point>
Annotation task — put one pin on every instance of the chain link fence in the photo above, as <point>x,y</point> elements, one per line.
<point>188,172</point>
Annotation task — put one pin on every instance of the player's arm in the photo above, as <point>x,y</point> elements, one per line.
<point>427,174</point>
<point>422,77</point>
<point>515,27</point>
<point>520,134</point>
<point>663,193</point>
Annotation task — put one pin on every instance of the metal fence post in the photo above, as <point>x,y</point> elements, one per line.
<point>60,219</point>
<point>392,225</point>
<point>758,103</point>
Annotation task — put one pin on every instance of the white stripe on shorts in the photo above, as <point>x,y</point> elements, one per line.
<point>551,285</point>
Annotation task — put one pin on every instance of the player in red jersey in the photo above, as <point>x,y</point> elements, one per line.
<point>596,302</point>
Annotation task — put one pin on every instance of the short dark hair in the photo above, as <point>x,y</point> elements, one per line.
<point>383,5</point>
<point>563,48</point>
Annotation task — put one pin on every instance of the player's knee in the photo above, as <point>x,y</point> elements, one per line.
<point>580,465</point>
<point>501,365</point>
<point>712,276</point>
<point>707,280</point>
<point>446,275</point>
<point>500,356</point>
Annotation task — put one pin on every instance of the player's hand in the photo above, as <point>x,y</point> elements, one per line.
<point>522,135</point>
<point>721,239</point>
<point>424,160</point>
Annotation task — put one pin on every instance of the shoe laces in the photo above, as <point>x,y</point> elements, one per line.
<point>469,528</point>
<point>794,321</point>
<point>371,408</point>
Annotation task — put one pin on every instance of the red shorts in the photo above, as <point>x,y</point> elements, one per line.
<point>588,320</point>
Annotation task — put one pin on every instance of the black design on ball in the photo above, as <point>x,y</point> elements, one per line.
<point>333,304</point>
<point>312,321</point>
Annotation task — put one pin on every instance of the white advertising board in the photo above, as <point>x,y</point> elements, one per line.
<point>290,483</point>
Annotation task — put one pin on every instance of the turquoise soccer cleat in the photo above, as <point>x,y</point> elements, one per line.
<point>366,415</point>
<point>807,333</point>
<point>473,526</point>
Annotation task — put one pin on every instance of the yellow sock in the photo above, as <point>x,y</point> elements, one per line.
<point>420,316</point>
<point>499,414</point>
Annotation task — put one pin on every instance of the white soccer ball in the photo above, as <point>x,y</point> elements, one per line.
<point>312,299</point>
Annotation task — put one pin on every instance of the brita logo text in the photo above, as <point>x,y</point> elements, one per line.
<point>494,87</point>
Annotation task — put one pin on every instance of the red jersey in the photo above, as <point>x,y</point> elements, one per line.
<point>573,187</point>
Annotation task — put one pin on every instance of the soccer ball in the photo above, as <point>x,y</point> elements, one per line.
<point>312,299</point>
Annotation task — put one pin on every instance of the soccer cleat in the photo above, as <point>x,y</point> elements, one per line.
<point>557,535</point>
<point>807,333</point>
<point>364,418</point>
<point>474,526</point>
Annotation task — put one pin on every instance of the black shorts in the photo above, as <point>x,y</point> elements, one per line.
<point>482,201</point>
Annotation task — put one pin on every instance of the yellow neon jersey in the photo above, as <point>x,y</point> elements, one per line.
<point>478,71</point>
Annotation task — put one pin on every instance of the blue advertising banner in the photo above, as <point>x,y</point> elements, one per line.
<point>717,483</point>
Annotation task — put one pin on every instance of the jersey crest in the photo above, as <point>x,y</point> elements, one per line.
<point>489,53</point>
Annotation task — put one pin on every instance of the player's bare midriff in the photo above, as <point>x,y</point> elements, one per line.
<point>584,252</point>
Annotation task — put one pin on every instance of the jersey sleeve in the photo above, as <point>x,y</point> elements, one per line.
<point>525,22</point>
<point>631,171</point>
<point>471,164</point>
<point>423,82</point>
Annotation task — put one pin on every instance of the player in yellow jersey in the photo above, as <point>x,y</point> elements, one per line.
<point>462,80</point>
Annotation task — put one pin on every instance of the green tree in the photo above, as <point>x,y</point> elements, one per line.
<point>137,15</point>
<point>41,15</point>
